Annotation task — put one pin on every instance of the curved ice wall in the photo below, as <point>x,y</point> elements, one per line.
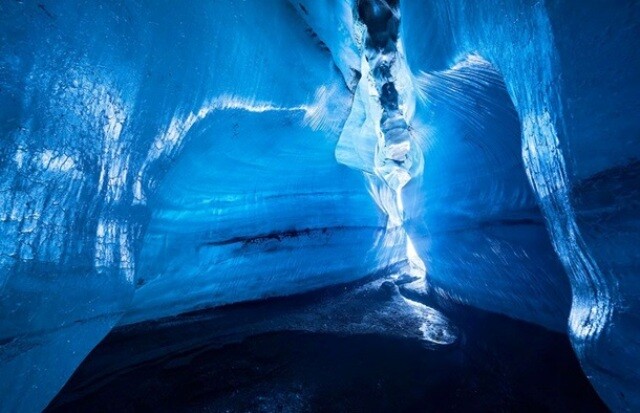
<point>572,72</point>
<point>186,151</point>
<point>473,215</point>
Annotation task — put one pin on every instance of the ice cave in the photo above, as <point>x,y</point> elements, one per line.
<point>319,206</point>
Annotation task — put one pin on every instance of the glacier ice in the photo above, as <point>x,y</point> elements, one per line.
<point>158,159</point>
<point>103,136</point>
<point>572,74</point>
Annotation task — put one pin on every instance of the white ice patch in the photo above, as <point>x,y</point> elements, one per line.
<point>113,249</point>
<point>435,328</point>
<point>326,111</point>
<point>18,157</point>
<point>541,143</point>
<point>56,163</point>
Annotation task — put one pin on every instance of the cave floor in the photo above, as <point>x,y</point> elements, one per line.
<point>497,365</point>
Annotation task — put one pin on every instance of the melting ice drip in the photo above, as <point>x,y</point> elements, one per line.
<point>397,157</point>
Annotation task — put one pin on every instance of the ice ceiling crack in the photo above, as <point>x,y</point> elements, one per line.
<point>389,106</point>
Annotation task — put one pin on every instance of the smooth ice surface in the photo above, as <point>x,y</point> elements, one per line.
<point>159,158</point>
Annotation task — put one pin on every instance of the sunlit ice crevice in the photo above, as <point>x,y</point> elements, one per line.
<point>377,138</point>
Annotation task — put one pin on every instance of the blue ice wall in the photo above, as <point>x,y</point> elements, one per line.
<point>473,215</point>
<point>573,74</point>
<point>158,158</point>
<point>227,218</point>
<point>184,150</point>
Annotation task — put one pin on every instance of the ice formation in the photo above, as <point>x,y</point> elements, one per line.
<point>160,158</point>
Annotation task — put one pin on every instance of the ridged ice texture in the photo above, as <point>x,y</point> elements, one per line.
<point>473,216</point>
<point>186,151</point>
<point>129,159</point>
<point>572,73</point>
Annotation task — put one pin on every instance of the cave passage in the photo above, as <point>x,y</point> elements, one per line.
<point>440,197</point>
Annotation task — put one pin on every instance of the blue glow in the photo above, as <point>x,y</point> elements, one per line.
<point>158,159</point>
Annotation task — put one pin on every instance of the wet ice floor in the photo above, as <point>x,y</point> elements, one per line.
<point>498,364</point>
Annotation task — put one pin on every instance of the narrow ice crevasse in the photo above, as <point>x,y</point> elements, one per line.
<point>390,105</point>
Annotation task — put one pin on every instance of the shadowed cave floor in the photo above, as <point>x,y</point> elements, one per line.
<point>498,365</point>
